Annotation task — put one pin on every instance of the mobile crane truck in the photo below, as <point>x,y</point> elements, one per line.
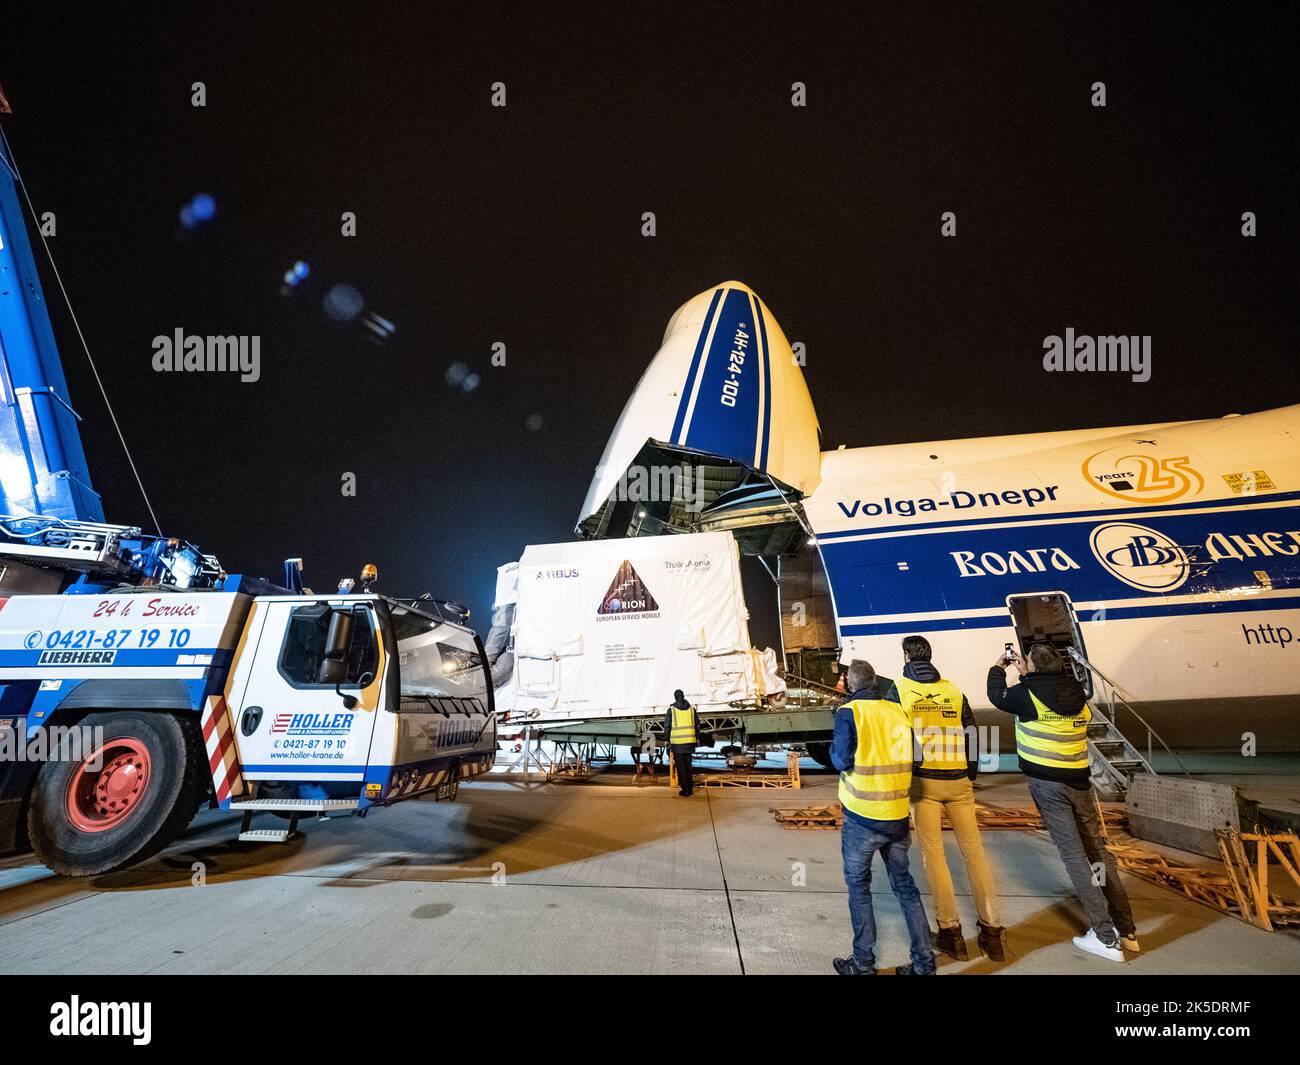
<point>139,681</point>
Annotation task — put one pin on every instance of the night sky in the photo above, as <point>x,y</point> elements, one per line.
<point>523,225</point>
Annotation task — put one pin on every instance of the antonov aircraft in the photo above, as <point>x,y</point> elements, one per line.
<point>1167,554</point>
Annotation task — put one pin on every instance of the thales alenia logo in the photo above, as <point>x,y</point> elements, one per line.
<point>1141,557</point>
<point>627,594</point>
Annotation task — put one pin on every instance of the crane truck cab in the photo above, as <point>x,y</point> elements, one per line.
<point>138,706</point>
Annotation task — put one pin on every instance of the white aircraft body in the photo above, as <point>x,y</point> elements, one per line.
<point>1168,554</point>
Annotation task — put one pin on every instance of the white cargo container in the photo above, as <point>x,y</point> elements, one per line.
<point>609,628</point>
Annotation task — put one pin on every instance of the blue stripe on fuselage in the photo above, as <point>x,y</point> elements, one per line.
<point>766,355</point>
<point>1113,513</point>
<point>974,568</point>
<point>995,621</point>
<point>716,427</point>
<point>685,400</point>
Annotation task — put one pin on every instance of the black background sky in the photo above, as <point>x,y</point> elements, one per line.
<point>522,225</point>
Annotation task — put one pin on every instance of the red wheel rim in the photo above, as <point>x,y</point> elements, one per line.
<point>100,799</point>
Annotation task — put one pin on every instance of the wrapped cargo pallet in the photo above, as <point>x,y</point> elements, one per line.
<point>609,628</point>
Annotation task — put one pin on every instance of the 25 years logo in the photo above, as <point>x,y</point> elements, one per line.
<point>1142,478</point>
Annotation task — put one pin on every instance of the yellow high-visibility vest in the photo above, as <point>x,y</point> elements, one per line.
<point>683,728</point>
<point>882,765</point>
<point>1053,739</point>
<point>934,709</point>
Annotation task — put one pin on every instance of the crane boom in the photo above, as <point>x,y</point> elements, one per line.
<point>42,464</point>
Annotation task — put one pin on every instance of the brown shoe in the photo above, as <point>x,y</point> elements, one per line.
<point>993,941</point>
<point>951,942</point>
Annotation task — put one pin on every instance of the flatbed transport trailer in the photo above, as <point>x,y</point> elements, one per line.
<point>124,712</point>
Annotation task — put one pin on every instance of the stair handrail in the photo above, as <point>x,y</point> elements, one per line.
<point>1111,769</point>
<point>1116,697</point>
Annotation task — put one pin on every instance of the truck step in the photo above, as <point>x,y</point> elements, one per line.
<point>264,835</point>
<point>297,806</point>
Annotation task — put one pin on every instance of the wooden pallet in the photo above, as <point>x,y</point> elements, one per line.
<point>1238,887</point>
<point>570,769</point>
<point>1010,817</point>
<point>1234,887</point>
<point>1205,884</point>
<point>1002,817</point>
<point>753,779</point>
<point>1029,820</point>
<point>1250,880</point>
<point>823,817</point>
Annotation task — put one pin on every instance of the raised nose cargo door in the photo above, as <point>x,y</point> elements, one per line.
<point>722,406</point>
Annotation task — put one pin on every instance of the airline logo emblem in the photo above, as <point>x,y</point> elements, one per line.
<point>627,594</point>
<point>1142,478</point>
<point>1140,556</point>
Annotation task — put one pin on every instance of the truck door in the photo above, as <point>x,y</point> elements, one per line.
<point>291,727</point>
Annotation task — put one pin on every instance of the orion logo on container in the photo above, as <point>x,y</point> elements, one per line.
<point>627,596</point>
<point>1141,557</point>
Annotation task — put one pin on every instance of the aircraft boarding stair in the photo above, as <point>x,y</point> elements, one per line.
<point>1113,760</point>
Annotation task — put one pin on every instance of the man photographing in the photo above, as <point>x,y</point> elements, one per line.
<point>1052,716</point>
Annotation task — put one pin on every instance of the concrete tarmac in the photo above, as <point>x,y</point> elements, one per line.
<point>569,878</point>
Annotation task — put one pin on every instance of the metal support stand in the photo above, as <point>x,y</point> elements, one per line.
<point>531,757</point>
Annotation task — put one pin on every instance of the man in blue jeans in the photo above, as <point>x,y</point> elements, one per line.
<point>1052,716</point>
<point>872,747</point>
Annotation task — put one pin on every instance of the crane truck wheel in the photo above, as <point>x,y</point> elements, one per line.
<point>136,784</point>
<point>820,752</point>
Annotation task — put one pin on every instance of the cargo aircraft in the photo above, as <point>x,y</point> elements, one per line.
<point>1167,555</point>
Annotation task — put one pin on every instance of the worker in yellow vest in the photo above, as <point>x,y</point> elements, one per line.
<point>1052,716</point>
<point>947,755</point>
<point>871,746</point>
<point>682,727</point>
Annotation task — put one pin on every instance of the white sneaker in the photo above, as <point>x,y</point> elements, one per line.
<point>1092,945</point>
<point>1130,943</point>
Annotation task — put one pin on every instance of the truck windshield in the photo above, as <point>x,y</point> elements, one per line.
<point>436,658</point>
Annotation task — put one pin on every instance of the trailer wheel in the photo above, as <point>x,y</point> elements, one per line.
<point>820,752</point>
<point>136,786</point>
